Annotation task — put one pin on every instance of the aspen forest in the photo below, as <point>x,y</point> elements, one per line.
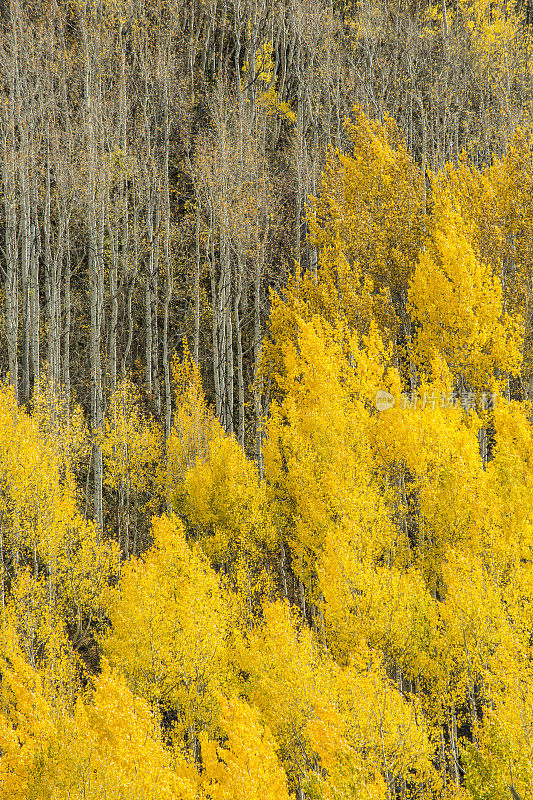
<point>266,399</point>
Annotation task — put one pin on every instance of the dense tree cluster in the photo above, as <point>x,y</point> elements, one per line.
<point>266,456</point>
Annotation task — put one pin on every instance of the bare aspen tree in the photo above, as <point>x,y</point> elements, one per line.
<point>96,216</point>
<point>27,81</point>
<point>151,188</point>
<point>53,237</point>
<point>113,231</point>
<point>9,171</point>
<point>166,258</point>
<point>35,310</point>
<point>131,275</point>
<point>67,322</point>
<point>26,240</point>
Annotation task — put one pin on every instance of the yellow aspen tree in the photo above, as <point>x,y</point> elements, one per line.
<point>466,647</point>
<point>484,662</point>
<point>506,527</point>
<point>280,661</point>
<point>59,556</point>
<point>512,178</point>
<point>318,455</point>
<point>42,632</point>
<point>125,748</point>
<point>168,634</point>
<point>340,731</point>
<point>502,756</point>
<point>456,305</point>
<point>494,203</point>
<point>106,746</point>
<point>217,491</point>
<point>369,738</point>
<point>246,767</point>
<point>132,452</point>
<point>431,458</point>
<point>263,74</point>
<point>61,424</point>
<point>193,427</point>
<point>27,730</point>
<point>476,195</point>
<point>368,219</point>
<point>225,506</point>
<point>498,51</point>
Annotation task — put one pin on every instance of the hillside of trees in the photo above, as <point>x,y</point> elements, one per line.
<point>266,386</point>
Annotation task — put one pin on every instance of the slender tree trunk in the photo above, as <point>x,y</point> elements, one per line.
<point>11,267</point>
<point>53,272</point>
<point>155,310</point>
<point>131,285</point>
<point>257,379</point>
<point>113,233</point>
<point>221,329</point>
<point>210,248</point>
<point>26,238</point>
<point>96,271</point>
<point>55,335</point>
<point>96,279</point>
<point>240,367</point>
<point>34,292</point>
<point>68,312</point>
<point>228,312</point>
<point>48,259</point>
<point>196,340</point>
<point>168,276</point>
<point>148,308</point>
<point>299,163</point>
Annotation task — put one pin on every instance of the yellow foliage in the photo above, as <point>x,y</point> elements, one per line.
<point>512,178</point>
<point>247,767</point>
<point>27,729</point>
<point>456,305</point>
<point>169,628</point>
<point>53,559</point>
<point>131,443</point>
<point>280,660</point>
<point>132,452</point>
<point>433,452</point>
<point>106,748</point>
<point>217,490</point>
<point>495,205</point>
<point>337,729</point>
<point>194,425</point>
<point>407,532</point>
<point>508,490</point>
<point>61,425</point>
<point>318,456</point>
<point>495,38</point>
<point>364,731</point>
<point>370,211</point>
<point>264,76</point>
